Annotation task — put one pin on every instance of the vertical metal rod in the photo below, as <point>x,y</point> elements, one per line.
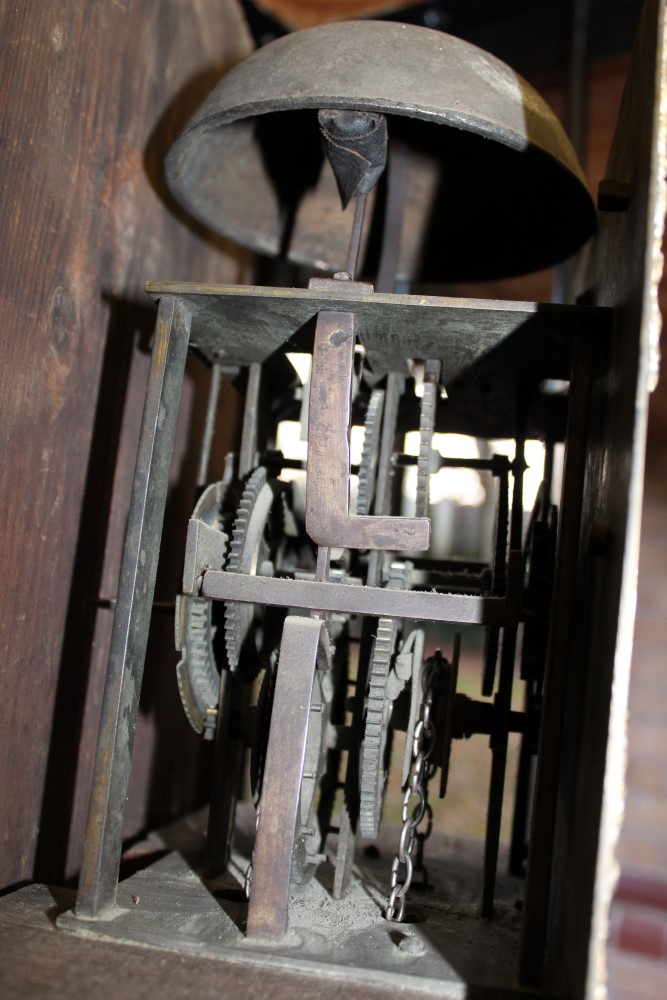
<point>540,854</point>
<point>355,236</point>
<point>386,282</point>
<point>322,568</point>
<point>209,426</point>
<point>323,563</point>
<point>575,122</point>
<point>397,183</point>
<point>104,831</point>
<point>248,449</point>
<point>503,700</point>
<point>499,734</point>
<point>526,770</point>
<point>499,583</point>
<point>577,82</point>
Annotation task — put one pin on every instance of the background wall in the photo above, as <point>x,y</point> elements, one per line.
<point>91,94</point>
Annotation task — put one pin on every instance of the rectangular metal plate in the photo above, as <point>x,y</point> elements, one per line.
<point>349,599</point>
<point>241,324</point>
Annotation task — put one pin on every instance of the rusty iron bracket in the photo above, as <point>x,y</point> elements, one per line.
<point>328,519</point>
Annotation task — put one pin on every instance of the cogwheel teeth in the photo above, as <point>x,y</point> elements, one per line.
<point>426,428</point>
<point>244,542</point>
<point>372,779</point>
<point>369,452</point>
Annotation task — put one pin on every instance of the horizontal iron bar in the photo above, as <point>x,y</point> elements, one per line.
<point>416,605</point>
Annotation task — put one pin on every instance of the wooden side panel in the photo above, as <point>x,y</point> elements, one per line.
<point>91,95</point>
<point>627,271</point>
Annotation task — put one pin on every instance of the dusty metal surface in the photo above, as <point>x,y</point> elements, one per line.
<point>445,949</point>
<point>245,323</point>
<point>511,178</point>
<point>491,351</point>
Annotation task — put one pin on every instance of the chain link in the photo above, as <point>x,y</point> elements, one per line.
<point>416,806</point>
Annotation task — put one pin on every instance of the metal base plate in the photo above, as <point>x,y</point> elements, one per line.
<point>443,949</point>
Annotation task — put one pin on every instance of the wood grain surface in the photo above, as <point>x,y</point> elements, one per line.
<point>91,95</point>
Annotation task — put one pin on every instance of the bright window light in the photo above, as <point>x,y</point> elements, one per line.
<point>462,486</point>
<point>301,363</point>
<point>533,475</point>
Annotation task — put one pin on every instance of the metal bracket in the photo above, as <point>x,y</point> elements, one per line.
<point>328,519</point>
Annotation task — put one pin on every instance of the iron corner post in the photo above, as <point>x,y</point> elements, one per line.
<point>104,830</point>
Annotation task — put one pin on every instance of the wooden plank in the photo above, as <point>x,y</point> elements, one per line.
<point>86,123</point>
<point>37,962</point>
<point>625,275</point>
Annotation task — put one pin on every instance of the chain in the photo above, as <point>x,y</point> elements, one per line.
<point>411,840</point>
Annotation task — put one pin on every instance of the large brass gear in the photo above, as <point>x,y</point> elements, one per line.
<point>374,763</point>
<point>257,538</point>
<point>376,747</point>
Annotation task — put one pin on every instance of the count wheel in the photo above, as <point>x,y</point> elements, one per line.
<point>259,540</point>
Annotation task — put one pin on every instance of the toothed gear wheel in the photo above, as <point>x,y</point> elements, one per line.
<point>426,428</point>
<point>257,537</point>
<point>375,746</point>
<point>370,452</point>
<point>198,672</point>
